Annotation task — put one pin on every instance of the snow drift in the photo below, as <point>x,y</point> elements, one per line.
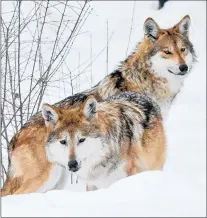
<point>147,194</point>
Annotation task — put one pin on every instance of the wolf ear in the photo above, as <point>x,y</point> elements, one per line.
<point>151,29</point>
<point>183,26</point>
<point>49,114</point>
<point>90,107</point>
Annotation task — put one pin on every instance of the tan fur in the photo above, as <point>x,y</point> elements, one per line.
<point>23,161</point>
<point>146,154</point>
<point>28,158</point>
<point>149,153</point>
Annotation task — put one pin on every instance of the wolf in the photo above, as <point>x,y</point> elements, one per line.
<point>106,141</point>
<point>157,67</point>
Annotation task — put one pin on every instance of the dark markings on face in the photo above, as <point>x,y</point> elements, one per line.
<point>174,38</point>
<point>170,34</point>
<point>188,45</point>
<point>52,137</point>
<point>177,49</point>
<point>154,51</point>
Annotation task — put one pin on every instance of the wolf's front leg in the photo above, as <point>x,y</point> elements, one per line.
<point>11,185</point>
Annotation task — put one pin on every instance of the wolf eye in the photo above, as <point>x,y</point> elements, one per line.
<point>167,52</point>
<point>81,140</point>
<point>182,49</point>
<point>63,142</point>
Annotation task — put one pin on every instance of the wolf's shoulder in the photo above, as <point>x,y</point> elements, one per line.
<point>143,101</point>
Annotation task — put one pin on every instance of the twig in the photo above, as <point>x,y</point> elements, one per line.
<point>107,48</point>
<point>39,41</point>
<point>19,80</point>
<point>131,27</point>
<point>91,60</point>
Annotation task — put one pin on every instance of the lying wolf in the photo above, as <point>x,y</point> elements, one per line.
<point>106,141</point>
<point>158,67</point>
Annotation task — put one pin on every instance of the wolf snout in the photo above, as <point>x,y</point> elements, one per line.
<point>73,165</point>
<point>183,69</point>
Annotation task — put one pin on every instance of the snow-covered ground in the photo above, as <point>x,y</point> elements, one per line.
<point>148,194</point>
<point>180,190</point>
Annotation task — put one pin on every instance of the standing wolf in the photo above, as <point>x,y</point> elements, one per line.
<point>106,141</point>
<point>157,67</point>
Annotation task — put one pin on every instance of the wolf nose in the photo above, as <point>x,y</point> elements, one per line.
<point>73,165</point>
<point>183,68</point>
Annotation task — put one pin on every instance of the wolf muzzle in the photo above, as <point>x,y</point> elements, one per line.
<point>73,166</point>
<point>183,69</point>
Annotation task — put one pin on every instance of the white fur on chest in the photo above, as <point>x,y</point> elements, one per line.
<point>175,82</point>
<point>107,180</point>
<point>58,179</point>
<point>160,68</point>
<point>92,155</point>
<point>104,179</point>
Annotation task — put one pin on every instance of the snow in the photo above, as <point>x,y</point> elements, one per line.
<point>148,194</point>
<point>180,189</point>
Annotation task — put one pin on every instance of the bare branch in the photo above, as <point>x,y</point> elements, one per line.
<point>91,60</point>
<point>131,27</point>
<point>107,47</point>
<point>39,41</point>
<point>28,72</point>
<point>19,79</point>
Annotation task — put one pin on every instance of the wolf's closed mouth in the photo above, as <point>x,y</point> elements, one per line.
<point>179,74</point>
<point>171,72</point>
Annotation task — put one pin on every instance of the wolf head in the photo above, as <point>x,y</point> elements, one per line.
<point>172,54</point>
<point>73,135</point>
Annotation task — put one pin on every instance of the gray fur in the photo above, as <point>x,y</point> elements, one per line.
<point>143,101</point>
<point>151,29</point>
<point>123,129</point>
